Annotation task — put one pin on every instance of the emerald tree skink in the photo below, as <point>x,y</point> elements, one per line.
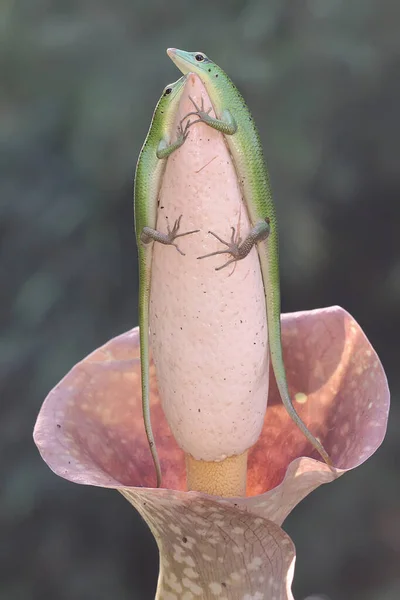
<point>236,122</point>
<point>150,167</point>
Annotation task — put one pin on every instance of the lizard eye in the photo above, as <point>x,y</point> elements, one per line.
<point>167,91</point>
<point>199,57</point>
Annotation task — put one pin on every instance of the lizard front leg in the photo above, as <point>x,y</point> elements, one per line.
<point>226,124</point>
<point>164,149</point>
<point>237,248</point>
<point>153,235</point>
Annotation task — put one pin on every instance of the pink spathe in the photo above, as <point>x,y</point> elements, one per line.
<point>90,430</point>
<point>209,333</point>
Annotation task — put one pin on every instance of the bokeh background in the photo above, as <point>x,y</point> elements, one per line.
<point>79,80</point>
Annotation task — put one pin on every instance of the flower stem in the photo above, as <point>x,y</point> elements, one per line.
<point>224,478</point>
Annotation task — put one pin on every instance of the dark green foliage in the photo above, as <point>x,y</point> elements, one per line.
<point>78,87</point>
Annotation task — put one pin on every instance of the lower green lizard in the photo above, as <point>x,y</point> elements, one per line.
<point>149,171</point>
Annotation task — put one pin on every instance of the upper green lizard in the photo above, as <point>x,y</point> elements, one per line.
<point>236,122</point>
<point>149,171</point>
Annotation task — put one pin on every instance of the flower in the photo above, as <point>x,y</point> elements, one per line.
<point>90,431</point>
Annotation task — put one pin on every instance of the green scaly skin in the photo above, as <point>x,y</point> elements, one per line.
<point>149,171</point>
<point>236,122</point>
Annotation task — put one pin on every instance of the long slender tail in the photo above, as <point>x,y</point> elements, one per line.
<point>280,376</point>
<point>144,293</point>
<point>269,260</point>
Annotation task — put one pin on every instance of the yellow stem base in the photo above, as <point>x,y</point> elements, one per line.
<point>225,478</point>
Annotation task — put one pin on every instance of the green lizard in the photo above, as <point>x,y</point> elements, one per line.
<point>149,171</point>
<point>235,121</point>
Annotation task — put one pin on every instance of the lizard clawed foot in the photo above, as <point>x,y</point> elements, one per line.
<point>183,132</point>
<point>152,235</point>
<point>198,112</point>
<point>173,233</point>
<point>233,248</point>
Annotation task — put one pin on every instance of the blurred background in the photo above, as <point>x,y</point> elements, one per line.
<point>79,81</point>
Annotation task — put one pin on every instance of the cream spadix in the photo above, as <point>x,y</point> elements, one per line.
<point>208,327</point>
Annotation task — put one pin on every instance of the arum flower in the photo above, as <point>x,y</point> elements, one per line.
<point>90,428</point>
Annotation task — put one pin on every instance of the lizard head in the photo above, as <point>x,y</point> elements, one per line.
<point>194,62</point>
<point>171,90</point>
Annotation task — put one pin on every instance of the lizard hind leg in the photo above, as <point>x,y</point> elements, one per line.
<point>168,239</point>
<point>235,247</point>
